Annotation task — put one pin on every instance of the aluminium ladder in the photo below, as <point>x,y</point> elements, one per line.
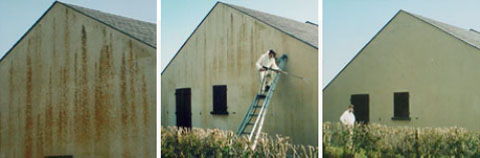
<point>253,121</point>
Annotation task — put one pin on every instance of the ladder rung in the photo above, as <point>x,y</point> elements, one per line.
<point>253,114</point>
<point>245,132</point>
<point>250,124</point>
<point>261,96</point>
<point>257,106</point>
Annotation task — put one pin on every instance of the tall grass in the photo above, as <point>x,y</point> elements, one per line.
<point>196,142</point>
<point>376,140</point>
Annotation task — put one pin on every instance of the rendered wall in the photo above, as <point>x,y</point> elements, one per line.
<point>74,86</point>
<point>223,51</point>
<point>439,71</point>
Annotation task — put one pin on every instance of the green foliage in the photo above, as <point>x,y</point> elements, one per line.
<point>376,140</point>
<point>195,142</point>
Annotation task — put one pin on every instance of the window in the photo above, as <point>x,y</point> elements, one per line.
<point>401,109</point>
<point>220,100</point>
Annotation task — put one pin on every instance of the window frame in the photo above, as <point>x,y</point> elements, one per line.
<point>399,113</point>
<point>219,101</point>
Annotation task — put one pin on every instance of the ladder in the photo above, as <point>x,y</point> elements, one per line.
<point>253,121</point>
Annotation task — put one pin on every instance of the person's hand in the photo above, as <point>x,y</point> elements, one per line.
<point>262,69</point>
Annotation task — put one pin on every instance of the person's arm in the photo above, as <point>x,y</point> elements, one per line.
<point>259,61</point>
<point>343,118</point>
<point>274,65</point>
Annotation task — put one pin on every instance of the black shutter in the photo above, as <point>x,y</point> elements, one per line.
<point>361,107</point>
<point>219,99</point>
<point>183,107</point>
<point>401,106</point>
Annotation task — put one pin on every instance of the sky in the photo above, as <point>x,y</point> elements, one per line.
<point>181,17</point>
<point>349,24</point>
<point>17,16</point>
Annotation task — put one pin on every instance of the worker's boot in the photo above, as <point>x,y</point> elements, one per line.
<point>267,88</point>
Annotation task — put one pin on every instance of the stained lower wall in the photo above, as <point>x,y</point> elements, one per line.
<point>74,86</point>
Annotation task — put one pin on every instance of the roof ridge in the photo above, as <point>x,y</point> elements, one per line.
<point>142,31</point>
<point>237,6</point>
<point>301,31</point>
<point>73,5</point>
<point>460,33</point>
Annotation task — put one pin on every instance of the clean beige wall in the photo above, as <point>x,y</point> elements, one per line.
<point>224,50</point>
<point>74,86</point>
<point>438,70</point>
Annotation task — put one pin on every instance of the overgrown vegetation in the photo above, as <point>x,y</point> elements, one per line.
<point>195,142</point>
<point>376,140</point>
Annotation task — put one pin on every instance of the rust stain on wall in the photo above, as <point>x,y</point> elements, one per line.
<point>146,112</point>
<point>62,86</point>
<point>49,115</point>
<point>39,137</point>
<point>28,111</point>
<point>124,108</point>
<point>102,96</point>
<point>133,104</point>
<point>82,114</point>
<point>11,119</point>
<point>1,134</point>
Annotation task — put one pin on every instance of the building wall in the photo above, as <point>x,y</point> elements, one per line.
<point>74,86</point>
<point>223,51</point>
<point>438,70</point>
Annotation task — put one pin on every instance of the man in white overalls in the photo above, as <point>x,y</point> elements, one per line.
<point>267,66</point>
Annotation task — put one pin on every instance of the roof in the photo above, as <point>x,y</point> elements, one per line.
<point>471,37</point>
<point>305,32</point>
<point>140,30</point>
<point>144,32</point>
<point>468,36</point>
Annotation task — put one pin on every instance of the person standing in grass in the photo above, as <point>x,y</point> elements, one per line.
<point>348,118</point>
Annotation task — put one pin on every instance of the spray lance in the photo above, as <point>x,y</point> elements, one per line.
<point>284,72</point>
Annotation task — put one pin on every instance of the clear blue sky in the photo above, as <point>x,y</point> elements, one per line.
<point>181,17</point>
<point>349,24</point>
<point>17,16</point>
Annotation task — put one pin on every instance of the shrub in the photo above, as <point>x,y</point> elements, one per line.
<point>374,140</point>
<point>196,142</point>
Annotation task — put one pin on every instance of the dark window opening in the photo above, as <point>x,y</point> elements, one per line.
<point>401,106</point>
<point>60,156</point>
<point>183,107</point>
<point>361,108</point>
<point>219,100</point>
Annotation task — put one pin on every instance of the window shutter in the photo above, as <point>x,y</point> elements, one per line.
<point>401,105</point>
<point>220,99</point>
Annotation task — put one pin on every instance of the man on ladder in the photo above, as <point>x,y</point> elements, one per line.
<point>268,68</point>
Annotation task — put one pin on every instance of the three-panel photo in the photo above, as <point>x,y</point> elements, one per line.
<point>188,79</point>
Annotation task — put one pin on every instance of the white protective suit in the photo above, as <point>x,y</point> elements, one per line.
<point>266,76</point>
<point>347,118</point>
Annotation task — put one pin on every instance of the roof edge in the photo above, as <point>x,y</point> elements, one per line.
<point>28,31</point>
<point>190,36</point>
<point>68,6</point>
<point>440,28</point>
<point>361,50</point>
<point>270,24</point>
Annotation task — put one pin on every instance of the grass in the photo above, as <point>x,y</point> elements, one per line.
<point>375,140</point>
<point>196,142</point>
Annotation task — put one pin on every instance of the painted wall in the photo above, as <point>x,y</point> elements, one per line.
<point>223,51</point>
<point>74,86</point>
<point>439,71</point>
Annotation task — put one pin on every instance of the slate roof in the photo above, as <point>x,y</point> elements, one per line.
<point>305,32</point>
<point>140,30</point>
<point>469,36</point>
